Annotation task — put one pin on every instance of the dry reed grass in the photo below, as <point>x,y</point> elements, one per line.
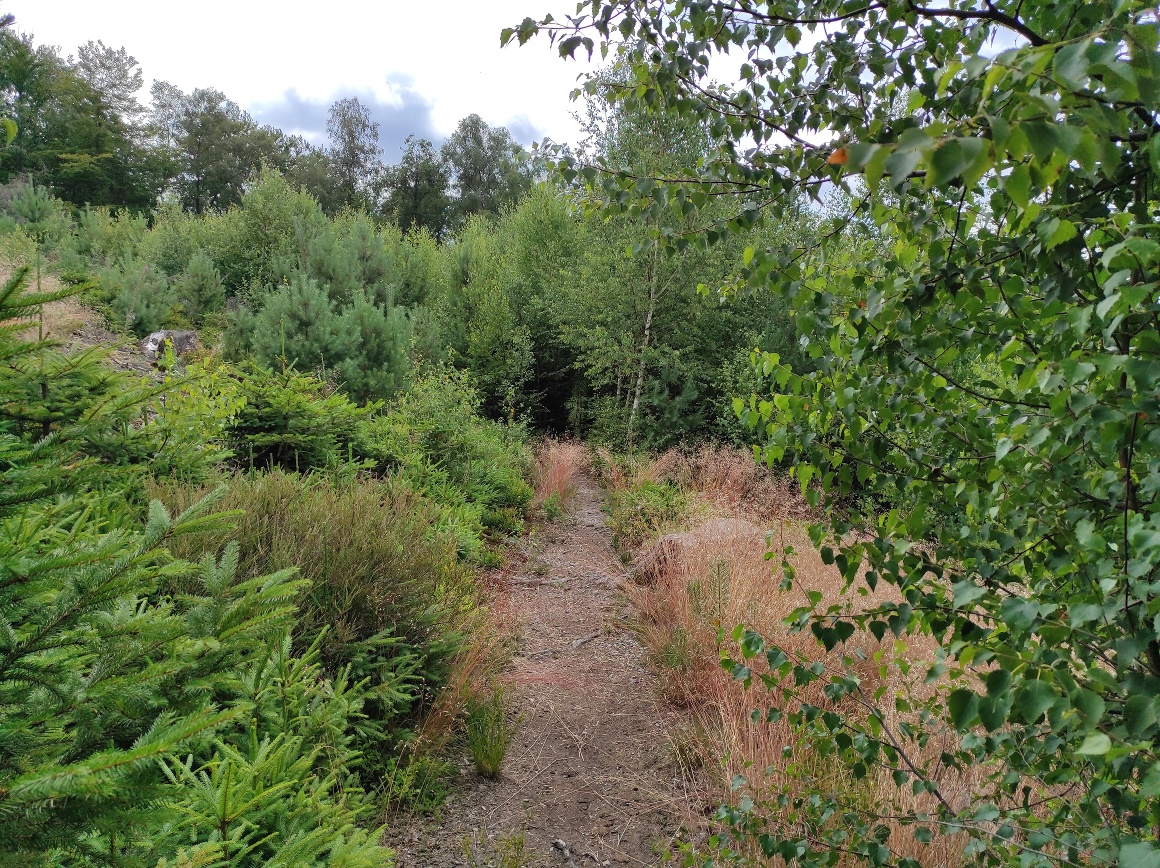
<point>730,482</point>
<point>696,585</point>
<point>472,670</point>
<point>557,464</point>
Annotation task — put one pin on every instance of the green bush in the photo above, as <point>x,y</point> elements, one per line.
<point>293,421</point>
<point>140,296</point>
<point>433,437</point>
<point>645,511</point>
<point>375,364</point>
<point>253,243</point>
<point>389,601</point>
<point>102,238</point>
<point>176,236</point>
<point>40,215</point>
<point>140,725</point>
<point>364,344</point>
<point>199,287</point>
<point>277,785</point>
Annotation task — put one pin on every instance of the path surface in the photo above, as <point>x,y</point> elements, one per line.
<point>591,765</point>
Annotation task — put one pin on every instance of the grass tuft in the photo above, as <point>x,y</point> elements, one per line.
<point>557,464</point>
<point>489,731</point>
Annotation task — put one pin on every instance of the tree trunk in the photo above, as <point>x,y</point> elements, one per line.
<point>652,305</point>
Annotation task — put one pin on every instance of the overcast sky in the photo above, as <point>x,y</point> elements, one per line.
<point>419,66</point>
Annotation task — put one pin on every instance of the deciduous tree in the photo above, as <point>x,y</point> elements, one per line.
<point>487,171</point>
<point>418,188</point>
<point>354,151</point>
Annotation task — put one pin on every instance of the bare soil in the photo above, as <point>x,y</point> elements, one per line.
<point>592,766</point>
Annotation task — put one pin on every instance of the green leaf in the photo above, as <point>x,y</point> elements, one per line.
<point>1096,744</point>
<point>993,711</point>
<point>1059,232</point>
<point>963,706</point>
<point>1142,855</point>
<point>952,160</point>
<point>1071,64</point>
<point>966,592</point>
<point>1018,185</point>
<point>1042,137</point>
<point>805,474</point>
<point>1139,714</point>
<point>1034,699</point>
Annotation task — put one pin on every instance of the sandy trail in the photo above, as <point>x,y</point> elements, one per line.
<point>592,765</point>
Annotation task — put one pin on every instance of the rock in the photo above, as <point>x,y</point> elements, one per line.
<point>183,343</point>
<point>652,562</point>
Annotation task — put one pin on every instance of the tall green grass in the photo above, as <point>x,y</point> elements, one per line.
<point>489,731</point>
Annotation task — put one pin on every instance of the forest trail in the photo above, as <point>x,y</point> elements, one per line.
<point>591,765</point>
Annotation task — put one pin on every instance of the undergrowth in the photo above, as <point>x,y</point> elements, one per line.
<point>645,511</point>
<point>693,587</point>
<point>472,468</point>
<point>389,601</point>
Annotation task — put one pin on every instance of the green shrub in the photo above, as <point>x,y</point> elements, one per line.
<point>102,238</point>
<point>645,511</point>
<point>375,364</point>
<point>433,437</point>
<point>140,296</point>
<point>16,245</point>
<point>415,784</point>
<point>277,789</point>
<point>199,287</point>
<point>293,421</point>
<point>253,243</point>
<point>348,257</point>
<point>295,324</point>
<point>40,215</point>
<point>389,601</point>
<point>177,236</point>
<point>364,344</point>
<point>140,725</point>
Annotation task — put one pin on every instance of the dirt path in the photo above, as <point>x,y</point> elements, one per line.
<point>591,765</point>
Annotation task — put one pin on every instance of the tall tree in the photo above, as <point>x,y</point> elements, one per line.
<point>418,188</point>
<point>220,148</point>
<point>167,102</point>
<point>70,137</point>
<point>116,76</point>
<point>486,168</point>
<point>354,151</point>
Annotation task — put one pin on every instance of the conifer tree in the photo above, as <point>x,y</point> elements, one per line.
<point>297,326</point>
<point>129,680</point>
<point>376,362</point>
<point>200,287</point>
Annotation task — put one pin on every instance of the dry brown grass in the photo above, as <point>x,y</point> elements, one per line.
<point>558,463</point>
<point>61,320</point>
<point>57,320</point>
<point>695,586</point>
<point>474,668</point>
